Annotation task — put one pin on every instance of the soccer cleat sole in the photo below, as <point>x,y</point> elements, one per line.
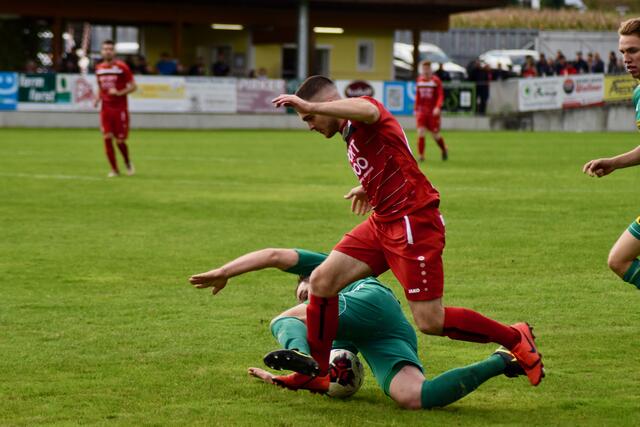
<point>292,360</point>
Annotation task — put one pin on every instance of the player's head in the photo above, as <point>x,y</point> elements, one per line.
<point>302,289</point>
<point>108,50</point>
<point>320,89</point>
<point>425,68</point>
<point>629,45</point>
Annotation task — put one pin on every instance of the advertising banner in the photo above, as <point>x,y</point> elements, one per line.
<point>159,94</point>
<point>355,88</point>
<point>540,94</point>
<point>8,91</point>
<point>459,97</point>
<point>552,93</point>
<point>36,91</point>
<point>619,88</point>
<point>76,92</point>
<point>255,95</point>
<point>582,90</point>
<point>211,95</point>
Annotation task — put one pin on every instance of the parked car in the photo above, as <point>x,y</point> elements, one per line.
<point>403,61</point>
<point>506,57</point>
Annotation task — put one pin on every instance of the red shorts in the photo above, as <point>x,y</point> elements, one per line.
<point>428,121</point>
<point>410,246</point>
<point>115,121</point>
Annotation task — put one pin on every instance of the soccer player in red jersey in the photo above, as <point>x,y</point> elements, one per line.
<point>428,104</point>
<point>405,233</point>
<point>115,82</point>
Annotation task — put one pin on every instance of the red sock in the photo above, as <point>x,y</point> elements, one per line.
<point>122,146</point>
<point>322,326</point>
<point>111,155</point>
<point>441,144</point>
<point>421,146</point>
<point>467,325</point>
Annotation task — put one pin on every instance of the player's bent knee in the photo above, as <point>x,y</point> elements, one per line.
<point>321,284</point>
<point>617,265</point>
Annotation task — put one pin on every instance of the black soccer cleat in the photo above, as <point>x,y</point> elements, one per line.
<point>292,360</point>
<point>512,367</point>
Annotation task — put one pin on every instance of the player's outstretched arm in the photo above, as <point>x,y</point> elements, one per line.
<point>265,376</point>
<point>217,278</point>
<point>356,109</point>
<point>602,167</point>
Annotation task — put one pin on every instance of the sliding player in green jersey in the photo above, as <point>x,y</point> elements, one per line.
<point>371,323</point>
<point>623,258</point>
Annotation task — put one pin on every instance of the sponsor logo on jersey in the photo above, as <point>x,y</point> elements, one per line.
<point>414,290</point>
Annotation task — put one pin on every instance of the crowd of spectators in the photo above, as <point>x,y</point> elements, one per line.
<point>558,66</point>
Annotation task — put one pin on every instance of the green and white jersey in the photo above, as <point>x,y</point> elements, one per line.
<point>636,104</point>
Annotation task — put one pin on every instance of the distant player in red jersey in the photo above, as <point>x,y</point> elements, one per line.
<point>405,233</point>
<point>115,82</point>
<point>428,105</point>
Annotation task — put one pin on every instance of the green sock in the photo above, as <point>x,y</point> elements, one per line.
<point>633,274</point>
<point>457,383</point>
<point>291,333</point>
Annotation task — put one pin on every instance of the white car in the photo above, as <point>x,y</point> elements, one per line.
<point>403,61</point>
<point>506,57</point>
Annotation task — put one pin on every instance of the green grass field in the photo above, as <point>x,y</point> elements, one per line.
<point>98,324</point>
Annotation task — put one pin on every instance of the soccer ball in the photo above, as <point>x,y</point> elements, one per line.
<point>346,373</point>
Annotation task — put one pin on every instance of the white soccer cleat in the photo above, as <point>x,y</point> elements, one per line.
<point>113,174</point>
<point>131,170</point>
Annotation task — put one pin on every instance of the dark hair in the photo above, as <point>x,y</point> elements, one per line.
<point>108,41</point>
<point>313,85</point>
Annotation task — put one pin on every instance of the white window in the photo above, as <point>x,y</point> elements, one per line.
<point>365,56</point>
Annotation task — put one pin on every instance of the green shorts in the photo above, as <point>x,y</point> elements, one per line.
<point>372,321</point>
<point>634,228</point>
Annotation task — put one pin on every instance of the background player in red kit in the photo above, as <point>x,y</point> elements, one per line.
<point>428,105</point>
<point>115,82</point>
<point>405,233</point>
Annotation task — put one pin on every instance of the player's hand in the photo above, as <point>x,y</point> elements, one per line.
<point>293,101</point>
<point>599,167</point>
<point>216,279</point>
<point>436,111</point>
<point>265,376</point>
<point>359,202</point>
<point>113,91</point>
<point>96,102</point>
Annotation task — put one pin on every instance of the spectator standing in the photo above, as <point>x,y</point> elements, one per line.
<point>442,74</point>
<point>198,69</point>
<point>220,67</point>
<point>612,67</point>
<point>481,75</point>
<point>139,65</point>
<point>166,66</point>
<point>564,68</point>
<point>580,64</point>
<point>542,66</point>
<point>529,67</point>
<point>598,64</point>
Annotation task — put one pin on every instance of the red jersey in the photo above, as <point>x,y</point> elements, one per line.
<point>429,94</point>
<point>380,157</point>
<point>114,75</point>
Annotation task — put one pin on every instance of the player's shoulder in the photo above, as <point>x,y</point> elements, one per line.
<point>636,95</point>
<point>436,79</point>
<point>121,64</point>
